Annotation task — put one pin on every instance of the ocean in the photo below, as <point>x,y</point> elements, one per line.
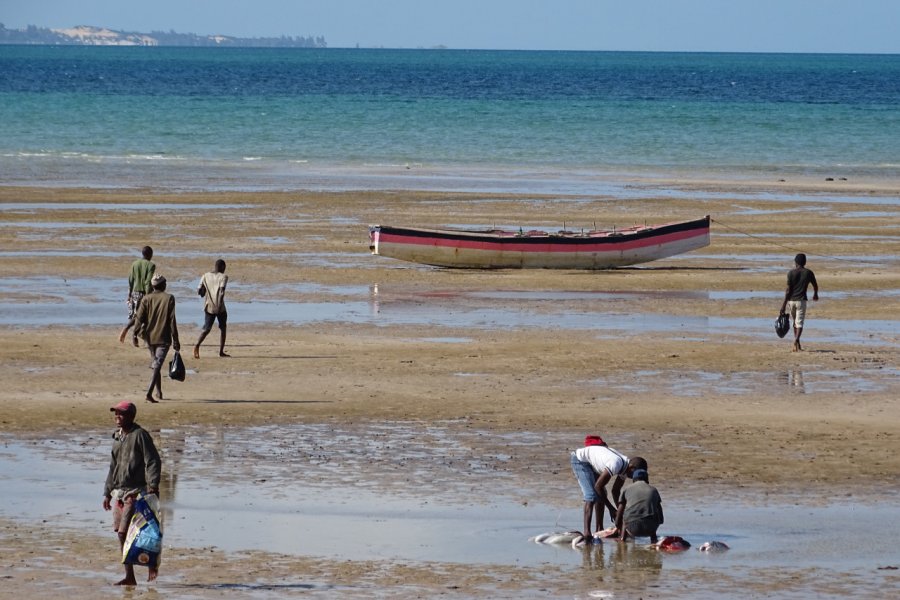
<point>281,119</point>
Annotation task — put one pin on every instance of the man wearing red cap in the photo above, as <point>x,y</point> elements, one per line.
<point>134,467</point>
<point>594,465</point>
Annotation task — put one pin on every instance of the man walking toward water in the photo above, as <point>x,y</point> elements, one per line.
<point>155,321</point>
<point>798,281</point>
<point>138,285</point>
<point>212,288</point>
<point>134,467</point>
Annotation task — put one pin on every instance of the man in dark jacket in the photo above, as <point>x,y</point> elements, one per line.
<point>155,322</point>
<point>134,467</point>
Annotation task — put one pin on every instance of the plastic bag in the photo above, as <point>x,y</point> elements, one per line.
<point>782,325</point>
<point>176,367</point>
<point>143,542</point>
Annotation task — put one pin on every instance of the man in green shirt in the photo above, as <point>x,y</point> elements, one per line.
<point>138,285</point>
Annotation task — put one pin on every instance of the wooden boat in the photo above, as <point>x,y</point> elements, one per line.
<point>498,249</point>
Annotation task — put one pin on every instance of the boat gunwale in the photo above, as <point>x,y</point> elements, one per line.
<point>615,236</point>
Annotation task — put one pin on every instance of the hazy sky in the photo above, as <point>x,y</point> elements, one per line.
<point>690,25</point>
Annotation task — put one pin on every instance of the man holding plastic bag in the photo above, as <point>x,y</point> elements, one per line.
<point>131,492</point>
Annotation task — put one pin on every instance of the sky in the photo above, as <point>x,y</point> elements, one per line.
<point>843,26</point>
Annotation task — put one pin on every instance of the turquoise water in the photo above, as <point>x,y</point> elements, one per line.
<point>284,118</point>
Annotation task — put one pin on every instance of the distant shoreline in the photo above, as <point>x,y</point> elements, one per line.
<point>89,35</point>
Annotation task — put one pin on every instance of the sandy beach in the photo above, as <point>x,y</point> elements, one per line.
<point>676,361</point>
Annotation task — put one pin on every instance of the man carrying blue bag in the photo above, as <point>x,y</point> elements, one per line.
<point>131,491</point>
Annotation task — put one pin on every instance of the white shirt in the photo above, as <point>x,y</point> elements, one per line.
<point>214,301</point>
<point>603,457</point>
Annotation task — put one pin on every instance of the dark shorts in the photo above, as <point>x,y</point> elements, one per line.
<point>122,511</point>
<point>209,319</point>
<point>642,527</point>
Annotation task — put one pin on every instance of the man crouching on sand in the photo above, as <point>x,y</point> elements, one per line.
<point>134,467</point>
<point>640,510</point>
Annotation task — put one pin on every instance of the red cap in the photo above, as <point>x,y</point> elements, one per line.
<point>124,406</point>
<point>593,440</point>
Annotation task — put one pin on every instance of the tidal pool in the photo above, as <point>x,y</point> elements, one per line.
<point>693,384</point>
<point>422,493</point>
<point>44,301</point>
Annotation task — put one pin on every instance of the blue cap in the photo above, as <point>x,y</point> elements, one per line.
<point>639,474</point>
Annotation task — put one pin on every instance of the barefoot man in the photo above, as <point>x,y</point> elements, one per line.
<point>594,466</point>
<point>134,467</point>
<point>155,322</point>
<point>212,288</point>
<point>138,286</point>
<point>798,281</point>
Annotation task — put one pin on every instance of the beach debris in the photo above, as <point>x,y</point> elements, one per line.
<point>713,546</point>
<point>672,543</point>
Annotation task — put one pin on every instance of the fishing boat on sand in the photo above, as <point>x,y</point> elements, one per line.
<point>500,249</point>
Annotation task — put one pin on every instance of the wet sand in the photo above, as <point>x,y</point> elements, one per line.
<point>675,361</point>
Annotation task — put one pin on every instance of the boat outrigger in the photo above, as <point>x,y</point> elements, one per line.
<point>499,249</point>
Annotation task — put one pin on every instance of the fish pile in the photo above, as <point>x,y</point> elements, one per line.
<point>669,543</point>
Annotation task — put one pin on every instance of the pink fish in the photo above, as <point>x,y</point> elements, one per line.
<point>673,543</point>
<point>608,532</point>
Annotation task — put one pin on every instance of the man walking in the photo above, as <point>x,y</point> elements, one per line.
<point>138,285</point>
<point>134,467</point>
<point>798,281</point>
<point>155,322</point>
<point>212,288</point>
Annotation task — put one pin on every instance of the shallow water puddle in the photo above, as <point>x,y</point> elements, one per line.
<point>411,492</point>
<point>41,301</point>
<point>35,207</point>
<point>695,383</point>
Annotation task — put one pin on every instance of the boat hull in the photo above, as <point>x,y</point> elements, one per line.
<point>538,250</point>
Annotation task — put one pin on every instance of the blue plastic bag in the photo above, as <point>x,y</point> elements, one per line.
<point>143,542</point>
